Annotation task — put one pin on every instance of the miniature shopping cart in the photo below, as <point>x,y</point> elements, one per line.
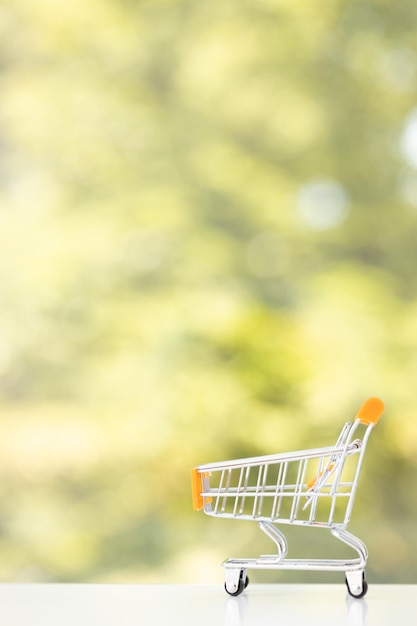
<point>314,488</point>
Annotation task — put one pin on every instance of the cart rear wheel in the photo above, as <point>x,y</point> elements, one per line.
<point>358,594</point>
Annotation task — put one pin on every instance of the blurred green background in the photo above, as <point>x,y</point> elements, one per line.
<point>208,235</point>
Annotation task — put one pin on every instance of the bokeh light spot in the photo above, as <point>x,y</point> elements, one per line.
<point>409,139</point>
<point>323,204</point>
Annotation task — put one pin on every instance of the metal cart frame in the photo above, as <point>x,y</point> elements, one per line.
<point>314,488</point>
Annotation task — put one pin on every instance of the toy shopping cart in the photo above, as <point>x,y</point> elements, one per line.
<point>314,488</point>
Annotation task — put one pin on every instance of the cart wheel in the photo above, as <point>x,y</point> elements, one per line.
<point>359,594</point>
<point>241,586</point>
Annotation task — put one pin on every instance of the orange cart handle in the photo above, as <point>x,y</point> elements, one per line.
<point>370,411</point>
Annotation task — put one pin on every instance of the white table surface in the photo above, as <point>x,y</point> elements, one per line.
<point>198,605</point>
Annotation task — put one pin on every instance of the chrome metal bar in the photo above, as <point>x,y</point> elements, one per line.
<point>298,486</point>
<point>279,490</point>
<point>216,508</point>
<point>263,487</point>
<point>313,453</point>
<point>255,500</point>
<point>238,491</point>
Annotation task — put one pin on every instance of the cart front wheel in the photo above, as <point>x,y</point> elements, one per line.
<point>357,591</point>
<point>241,586</point>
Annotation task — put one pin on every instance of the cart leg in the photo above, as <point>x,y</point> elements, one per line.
<point>236,581</point>
<point>278,538</point>
<point>353,542</point>
<point>356,583</point>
